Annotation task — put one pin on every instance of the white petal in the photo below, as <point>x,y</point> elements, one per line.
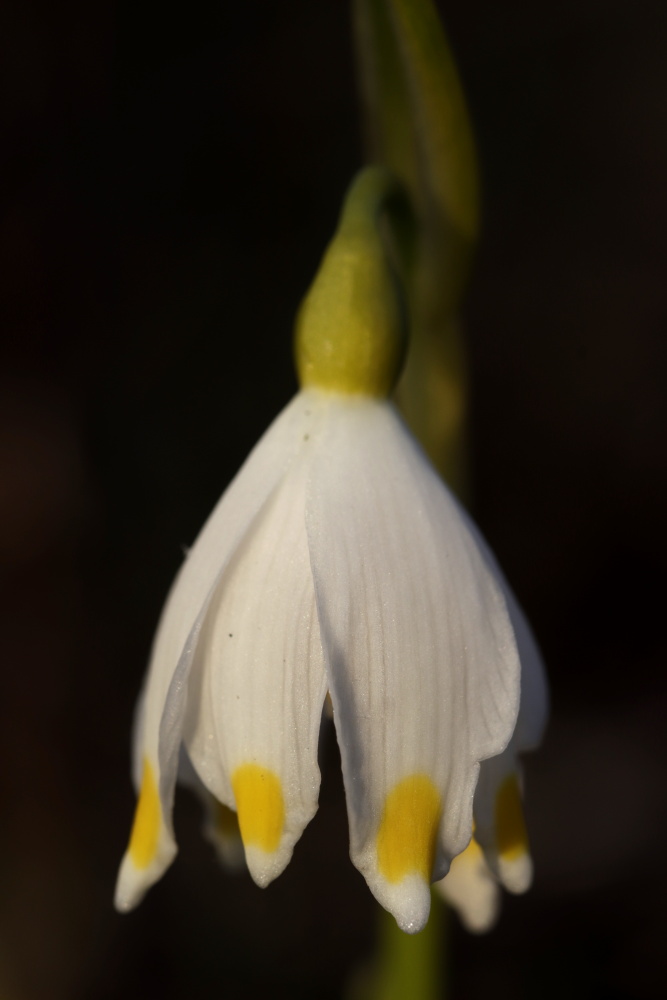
<point>470,888</point>
<point>420,652</point>
<point>500,827</point>
<point>160,728</point>
<point>534,707</point>
<point>499,823</point>
<point>258,684</point>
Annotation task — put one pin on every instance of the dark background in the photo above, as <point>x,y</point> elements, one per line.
<point>169,181</point>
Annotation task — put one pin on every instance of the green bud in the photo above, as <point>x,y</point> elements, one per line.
<point>351,328</point>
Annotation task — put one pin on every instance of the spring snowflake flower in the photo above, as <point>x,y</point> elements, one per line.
<point>337,562</point>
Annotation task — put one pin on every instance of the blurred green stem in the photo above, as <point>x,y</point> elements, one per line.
<point>412,965</point>
<point>416,123</point>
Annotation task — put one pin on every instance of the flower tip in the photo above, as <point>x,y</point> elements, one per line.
<point>477,904</point>
<point>258,791</point>
<point>514,864</point>
<point>151,849</point>
<point>412,904</point>
<point>265,866</point>
<point>516,873</point>
<point>409,901</point>
<point>482,921</point>
<point>130,886</point>
<point>134,881</point>
<point>471,889</point>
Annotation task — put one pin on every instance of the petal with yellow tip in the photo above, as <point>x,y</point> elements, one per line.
<point>150,849</point>
<point>258,685</point>
<point>147,818</point>
<point>408,830</point>
<point>511,836</point>
<point>515,866</point>
<point>260,806</point>
<point>405,848</point>
<point>470,888</point>
<point>419,648</point>
<point>501,827</point>
<point>162,704</point>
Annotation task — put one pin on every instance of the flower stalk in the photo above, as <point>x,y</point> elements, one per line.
<point>413,966</point>
<point>416,122</point>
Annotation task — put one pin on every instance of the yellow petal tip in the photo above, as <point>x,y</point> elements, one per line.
<point>145,834</point>
<point>511,835</point>
<point>260,806</point>
<point>151,848</point>
<point>406,839</point>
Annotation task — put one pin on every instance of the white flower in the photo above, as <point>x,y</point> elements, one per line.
<point>338,563</point>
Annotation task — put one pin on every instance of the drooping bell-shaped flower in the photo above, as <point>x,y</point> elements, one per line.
<point>498,853</point>
<point>337,562</point>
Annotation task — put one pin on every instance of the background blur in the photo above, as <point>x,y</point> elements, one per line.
<point>170,181</point>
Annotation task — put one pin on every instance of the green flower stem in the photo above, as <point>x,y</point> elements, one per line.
<point>417,124</point>
<point>412,965</point>
<point>406,965</point>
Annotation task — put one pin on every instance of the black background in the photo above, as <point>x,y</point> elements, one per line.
<point>170,179</point>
